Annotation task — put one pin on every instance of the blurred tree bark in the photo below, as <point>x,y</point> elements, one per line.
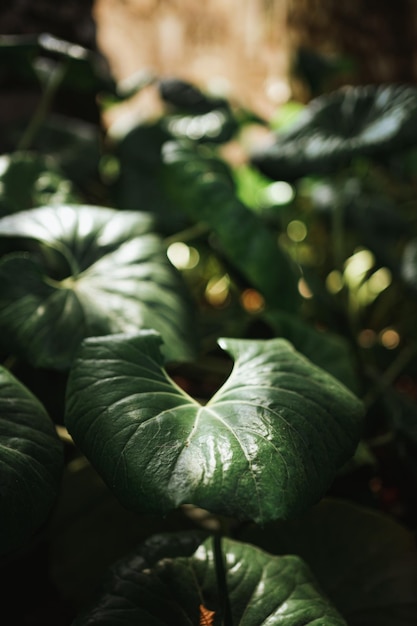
<point>379,35</point>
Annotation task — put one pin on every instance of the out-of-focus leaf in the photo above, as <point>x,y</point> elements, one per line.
<point>186,97</point>
<point>16,58</point>
<point>409,264</point>
<point>319,70</point>
<point>216,126</point>
<point>334,128</point>
<point>75,146</point>
<point>201,186</point>
<point>31,180</point>
<point>329,351</point>
<point>267,444</point>
<point>31,462</point>
<point>262,589</point>
<point>376,220</point>
<point>363,560</point>
<point>91,271</point>
<point>138,186</point>
<point>86,70</point>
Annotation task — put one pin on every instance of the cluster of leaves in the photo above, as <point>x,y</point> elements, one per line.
<point>125,253</point>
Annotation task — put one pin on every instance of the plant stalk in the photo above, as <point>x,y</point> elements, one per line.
<point>43,107</point>
<point>223,592</point>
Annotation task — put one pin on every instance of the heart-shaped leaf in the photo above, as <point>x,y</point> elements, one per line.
<point>31,461</point>
<point>262,590</point>
<point>365,561</point>
<point>266,446</point>
<point>91,271</point>
<point>333,128</point>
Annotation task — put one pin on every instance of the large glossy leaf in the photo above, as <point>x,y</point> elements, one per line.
<point>267,444</point>
<point>91,271</point>
<point>31,461</point>
<point>203,189</point>
<point>365,561</point>
<point>262,589</point>
<point>333,128</point>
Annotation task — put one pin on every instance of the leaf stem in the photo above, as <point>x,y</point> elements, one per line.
<point>226,610</point>
<point>41,111</point>
<point>188,234</point>
<point>338,235</point>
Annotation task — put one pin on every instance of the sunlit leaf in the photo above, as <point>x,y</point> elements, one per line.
<point>203,188</point>
<point>334,128</point>
<point>267,445</point>
<point>89,271</point>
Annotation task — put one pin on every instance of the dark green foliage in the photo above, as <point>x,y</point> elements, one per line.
<point>314,285</point>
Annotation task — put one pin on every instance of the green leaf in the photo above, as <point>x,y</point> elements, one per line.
<point>365,561</point>
<point>87,71</point>
<point>216,126</point>
<point>23,56</point>
<point>329,351</point>
<point>266,446</point>
<point>31,462</point>
<point>139,184</point>
<point>91,271</point>
<point>333,128</point>
<point>262,590</point>
<point>409,265</point>
<point>203,188</point>
<point>75,146</point>
<point>87,514</point>
<point>30,180</point>
<point>185,96</point>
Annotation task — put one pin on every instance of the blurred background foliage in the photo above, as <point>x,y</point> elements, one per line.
<point>105,102</point>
